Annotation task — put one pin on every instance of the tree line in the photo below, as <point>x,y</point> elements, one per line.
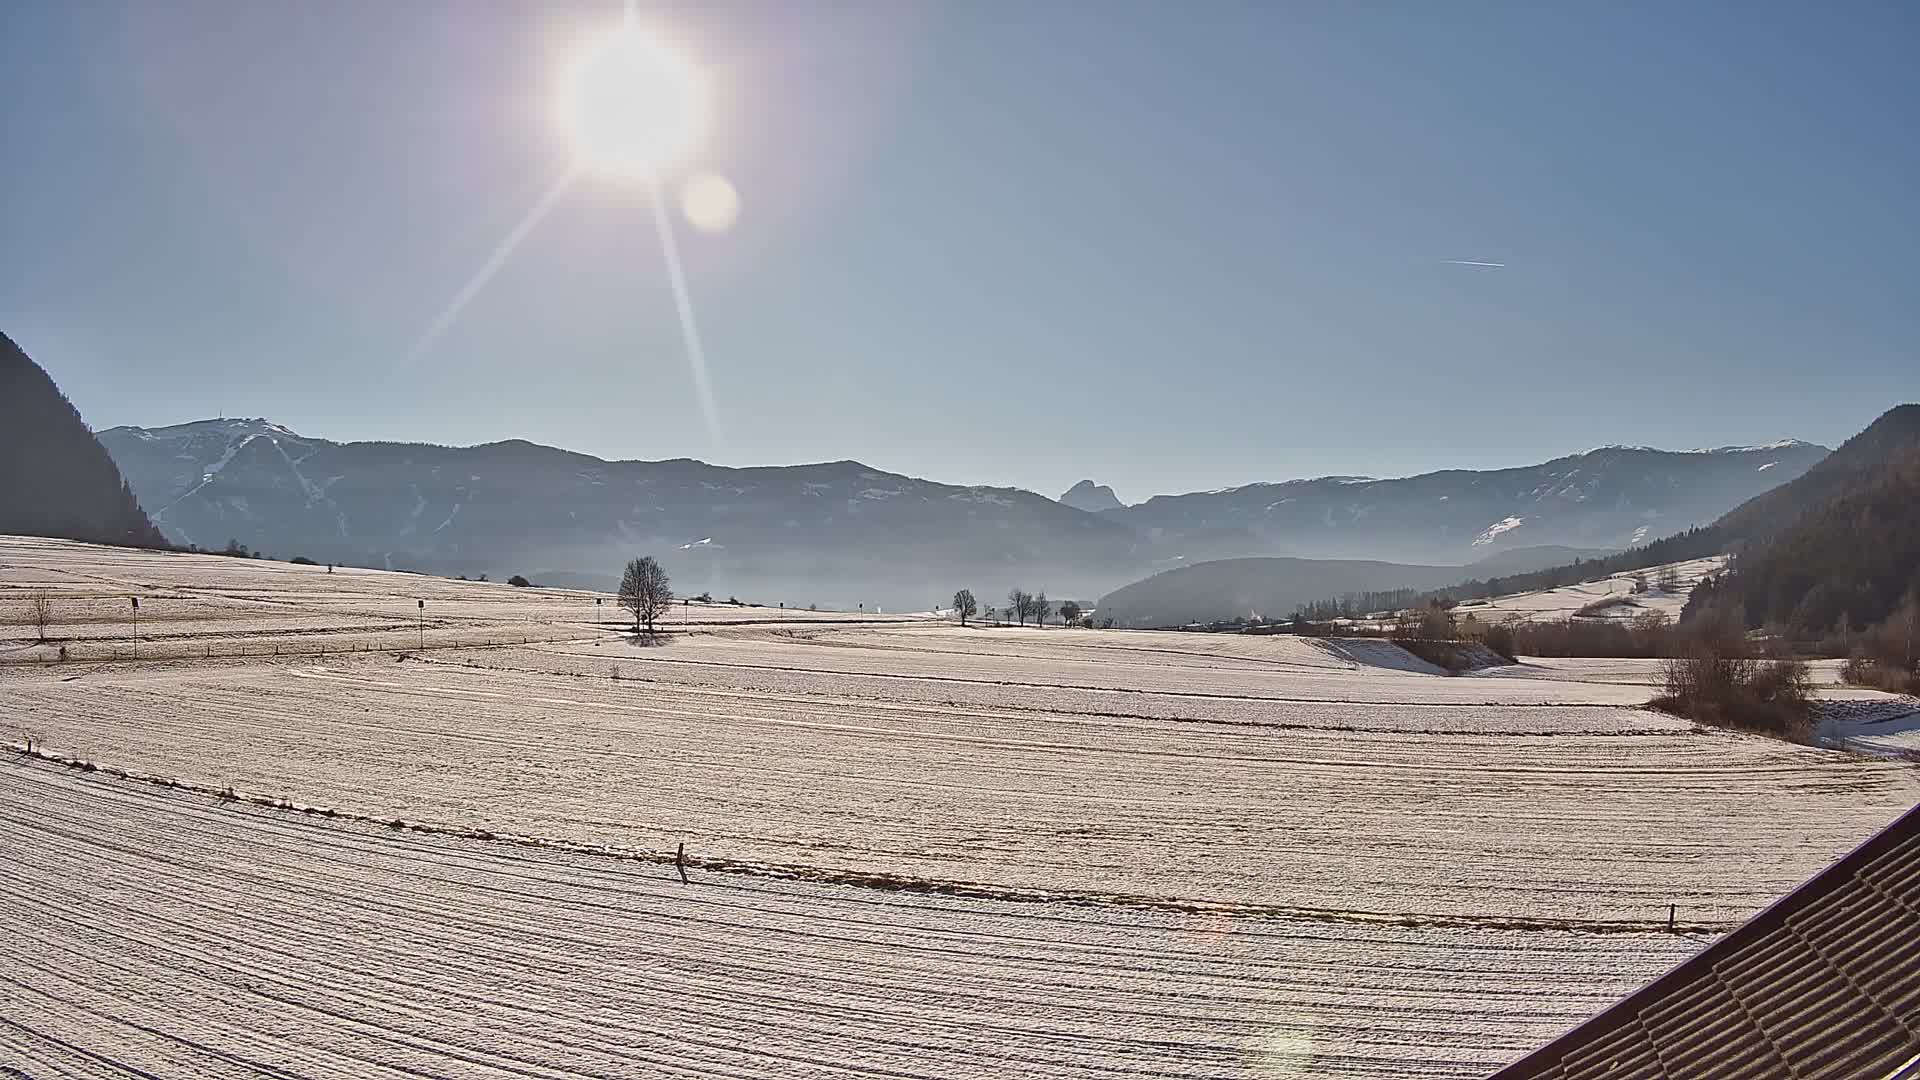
<point>1021,606</point>
<point>1842,580</point>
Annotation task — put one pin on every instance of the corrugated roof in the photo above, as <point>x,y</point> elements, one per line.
<point>1823,984</point>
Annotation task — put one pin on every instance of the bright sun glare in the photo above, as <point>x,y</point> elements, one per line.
<point>632,105</point>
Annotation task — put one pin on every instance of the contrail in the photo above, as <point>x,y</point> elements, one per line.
<point>493,264</point>
<point>1476,264</point>
<point>696,356</point>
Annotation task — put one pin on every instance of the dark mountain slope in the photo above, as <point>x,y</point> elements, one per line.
<point>1842,550</point>
<point>1860,463</point>
<point>55,477</point>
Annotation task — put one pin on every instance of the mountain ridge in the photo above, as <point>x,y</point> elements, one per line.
<point>846,532</point>
<point>1610,497</point>
<point>839,533</point>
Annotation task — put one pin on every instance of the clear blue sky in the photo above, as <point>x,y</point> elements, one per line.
<point>1167,246</point>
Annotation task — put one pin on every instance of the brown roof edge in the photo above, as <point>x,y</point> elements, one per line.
<point>1771,918</point>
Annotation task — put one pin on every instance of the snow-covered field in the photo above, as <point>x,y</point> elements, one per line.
<point>1883,724</point>
<point>1567,601</point>
<point>918,850</point>
<point>196,606</point>
<point>154,932</point>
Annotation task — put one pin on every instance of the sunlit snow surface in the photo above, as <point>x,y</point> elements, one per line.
<point>918,850</point>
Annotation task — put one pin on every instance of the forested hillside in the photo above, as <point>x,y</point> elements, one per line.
<point>55,478</point>
<point>1861,463</point>
<point>1839,568</point>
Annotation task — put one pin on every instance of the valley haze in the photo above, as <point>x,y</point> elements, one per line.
<point>844,534</point>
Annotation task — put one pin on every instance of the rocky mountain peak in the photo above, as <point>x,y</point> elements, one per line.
<point>1091,497</point>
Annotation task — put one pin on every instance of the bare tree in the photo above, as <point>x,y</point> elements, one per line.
<point>1668,580</point>
<point>1069,612</point>
<point>40,609</point>
<point>645,591</point>
<point>964,605</point>
<point>1019,604</point>
<point>1041,609</point>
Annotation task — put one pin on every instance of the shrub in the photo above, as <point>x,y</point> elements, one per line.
<point>519,582</point>
<point>1447,655</point>
<point>1864,670</point>
<point>302,560</point>
<point>1644,636</point>
<point>1499,637</point>
<point>1727,689</point>
<point>1788,681</point>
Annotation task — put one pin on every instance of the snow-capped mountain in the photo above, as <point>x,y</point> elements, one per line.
<point>837,534</point>
<point>1609,497</point>
<point>841,532</point>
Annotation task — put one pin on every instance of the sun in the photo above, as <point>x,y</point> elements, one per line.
<point>632,105</point>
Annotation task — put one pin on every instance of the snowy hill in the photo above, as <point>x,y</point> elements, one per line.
<point>1609,497</point>
<point>1661,590</point>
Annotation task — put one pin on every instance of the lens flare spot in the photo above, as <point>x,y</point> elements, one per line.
<point>710,202</point>
<point>1284,1054</point>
